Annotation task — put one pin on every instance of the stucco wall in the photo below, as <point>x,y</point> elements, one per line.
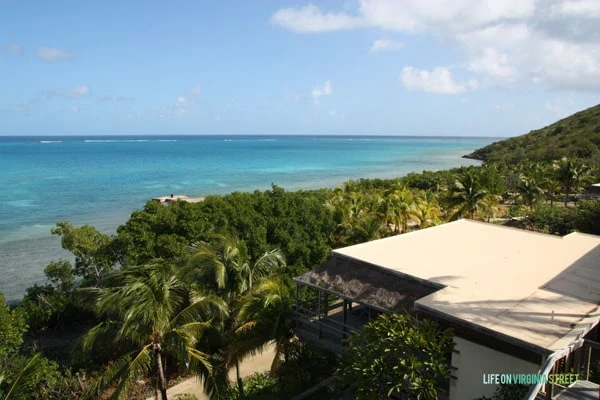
<point>473,362</point>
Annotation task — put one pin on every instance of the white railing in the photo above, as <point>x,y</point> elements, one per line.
<point>549,364</point>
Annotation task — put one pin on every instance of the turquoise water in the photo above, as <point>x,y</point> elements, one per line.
<point>101,180</point>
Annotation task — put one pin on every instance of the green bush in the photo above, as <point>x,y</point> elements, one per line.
<point>517,211</point>
<point>508,392</point>
<point>554,220</point>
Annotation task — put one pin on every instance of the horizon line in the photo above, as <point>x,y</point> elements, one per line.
<point>249,134</point>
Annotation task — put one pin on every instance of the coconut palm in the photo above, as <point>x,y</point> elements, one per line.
<point>153,314</point>
<point>264,316</point>
<point>529,191</point>
<point>366,228</point>
<point>467,195</point>
<point>428,209</point>
<point>404,209</point>
<point>570,173</point>
<point>226,267</point>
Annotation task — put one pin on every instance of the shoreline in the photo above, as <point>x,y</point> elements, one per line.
<point>101,199</point>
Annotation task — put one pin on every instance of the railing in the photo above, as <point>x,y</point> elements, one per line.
<point>550,364</point>
<point>321,324</point>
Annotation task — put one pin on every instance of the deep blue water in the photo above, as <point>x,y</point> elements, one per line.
<point>101,180</point>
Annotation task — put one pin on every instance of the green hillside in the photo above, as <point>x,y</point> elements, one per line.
<point>575,136</point>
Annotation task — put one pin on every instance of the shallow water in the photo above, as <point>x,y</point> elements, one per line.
<point>101,180</point>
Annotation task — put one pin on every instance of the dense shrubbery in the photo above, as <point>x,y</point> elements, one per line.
<point>295,222</point>
<point>396,354</point>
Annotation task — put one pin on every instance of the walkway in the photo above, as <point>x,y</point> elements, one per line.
<point>258,363</point>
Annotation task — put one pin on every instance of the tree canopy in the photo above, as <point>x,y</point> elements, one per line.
<point>396,354</point>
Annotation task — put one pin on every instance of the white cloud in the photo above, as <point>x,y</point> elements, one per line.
<point>453,15</point>
<point>52,54</point>
<point>310,19</point>
<point>80,91</point>
<point>196,90</point>
<point>321,90</point>
<point>13,48</point>
<point>384,44</point>
<point>584,8</point>
<point>493,63</point>
<point>73,109</point>
<point>181,106</point>
<point>439,80</point>
<point>502,43</point>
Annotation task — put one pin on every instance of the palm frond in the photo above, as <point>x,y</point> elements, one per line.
<point>138,367</point>
<point>19,388</point>
<point>95,333</point>
<point>124,371</point>
<point>199,362</point>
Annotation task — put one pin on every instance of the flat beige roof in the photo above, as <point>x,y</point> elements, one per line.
<point>540,289</point>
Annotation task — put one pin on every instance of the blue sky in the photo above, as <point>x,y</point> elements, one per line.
<point>416,67</point>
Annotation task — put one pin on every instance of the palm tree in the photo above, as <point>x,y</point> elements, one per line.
<point>226,267</point>
<point>405,209</point>
<point>570,174</point>
<point>467,195</point>
<point>529,191</point>
<point>153,314</point>
<point>365,228</point>
<point>428,209</point>
<point>264,315</point>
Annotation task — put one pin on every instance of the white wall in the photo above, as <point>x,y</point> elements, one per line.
<point>475,360</point>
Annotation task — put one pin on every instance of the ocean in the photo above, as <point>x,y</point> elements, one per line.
<point>100,181</point>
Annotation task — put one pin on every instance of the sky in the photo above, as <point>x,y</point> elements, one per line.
<point>368,67</point>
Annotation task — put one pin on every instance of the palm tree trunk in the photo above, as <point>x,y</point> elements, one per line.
<point>161,376</point>
<point>239,381</point>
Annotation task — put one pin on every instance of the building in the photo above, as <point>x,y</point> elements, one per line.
<point>592,193</point>
<point>516,300</point>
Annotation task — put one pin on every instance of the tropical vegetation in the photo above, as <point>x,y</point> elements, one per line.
<point>396,354</point>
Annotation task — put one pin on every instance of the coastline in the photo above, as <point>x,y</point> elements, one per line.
<point>101,184</point>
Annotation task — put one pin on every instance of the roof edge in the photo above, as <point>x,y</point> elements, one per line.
<point>481,329</point>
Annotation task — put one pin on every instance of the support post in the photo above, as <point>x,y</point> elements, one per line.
<point>319,312</point>
<point>326,304</point>
<point>344,318</point>
<point>550,394</point>
<point>588,361</point>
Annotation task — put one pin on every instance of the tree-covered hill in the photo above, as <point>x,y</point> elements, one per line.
<point>575,136</point>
